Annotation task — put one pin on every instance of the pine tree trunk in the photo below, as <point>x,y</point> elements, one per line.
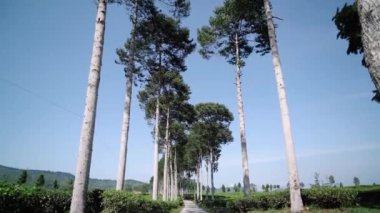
<point>295,193</point>
<point>207,185</point>
<point>79,197</point>
<point>175,175</point>
<point>127,111</point>
<point>166,156</point>
<point>155,159</point>
<point>168,173</point>
<point>197,183</point>
<point>196,186</point>
<point>164,197</point>
<point>242,122</point>
<point>369,14</point>
<point>171,180</point>
<point>200,182</point>
<point>124,135</point>
<point>212,174</point>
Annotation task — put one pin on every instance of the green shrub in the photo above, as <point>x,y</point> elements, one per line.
<point>94,201</point>
<point>262,201</point>
<point>369,197</point>
<point>122,201</point>
<point>327,197</point>
<point>15,198</point>
<point>318,197</point>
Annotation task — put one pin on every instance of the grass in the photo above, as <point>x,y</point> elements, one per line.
<point>177,210</point>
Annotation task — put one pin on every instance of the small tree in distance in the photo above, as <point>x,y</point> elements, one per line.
<point>40,181</point>
<point>223,188</point>
<point>356,181</point>
<point>23,177</point>
<point>331,180</point>
<point>55,184</point>
<point>316,180</point>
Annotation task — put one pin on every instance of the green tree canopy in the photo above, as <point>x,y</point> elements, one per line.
<point>40,181</point>
<point>241,19</point>
<point>23,177</point>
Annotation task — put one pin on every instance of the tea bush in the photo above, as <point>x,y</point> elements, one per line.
<point>122,201</point>
<point>328,197</point>
<point>15,198</point>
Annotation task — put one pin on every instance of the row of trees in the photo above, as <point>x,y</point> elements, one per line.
<point>331,181</point>
<point>40,181</point>
<point>236,30</point>
<point>155,55</point>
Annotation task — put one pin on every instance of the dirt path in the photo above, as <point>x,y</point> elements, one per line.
<point>191,207</point>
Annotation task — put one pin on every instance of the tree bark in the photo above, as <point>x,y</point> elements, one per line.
<point>175,175</point>
<point>171,180</point>
<point>165,193</point>
<point>369,14</point>
<point>212,174</point>
<point>200,182</point>
<point>207,185</point>
<point>155,163</point>
<point>243,138</point>
<point>198,188</point>
<point>79,197</point>
<point>295,193</point>
<point>127,110</point>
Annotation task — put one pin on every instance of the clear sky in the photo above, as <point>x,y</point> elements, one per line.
<point>44,65</point>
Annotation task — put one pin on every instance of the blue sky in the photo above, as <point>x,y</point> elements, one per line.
<point>44,65</point>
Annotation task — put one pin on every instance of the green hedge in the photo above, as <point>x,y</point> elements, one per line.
<point>369,196</point>
<point>319,197</point>
<point>15,198</point>
<point>122,201</point>
<point>263,201</point>
<point>327,197</point>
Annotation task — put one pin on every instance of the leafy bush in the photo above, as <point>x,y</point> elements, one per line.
<point>317,197</point>
<point>15,198</point>
<point>263,201</point>
<point>369,197</point>
<point>122,201</point>
<point>327,197</point>
<point>94,201</point>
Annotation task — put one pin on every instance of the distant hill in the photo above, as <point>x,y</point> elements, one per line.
<point>11,175</point>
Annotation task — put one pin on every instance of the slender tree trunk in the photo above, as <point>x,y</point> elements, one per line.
<point>369,14</point>
<point>197,183</point>
<point>127,110</point>
<point>164,197</point>
<point>242,122</point>
<point>166,156</point>
<point>294,183</point>
<point>212,174</point>
<point>201,182</point>
<point>196,186</point>
<point>155,159</point>
<point>79,197</point>
<point>207,185</point>
<point>168,172</point>
<point>171,180</point>
<point>175,175</point>
<point>124,135</point>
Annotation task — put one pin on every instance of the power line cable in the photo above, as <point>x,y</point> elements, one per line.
<point>47,100</point>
